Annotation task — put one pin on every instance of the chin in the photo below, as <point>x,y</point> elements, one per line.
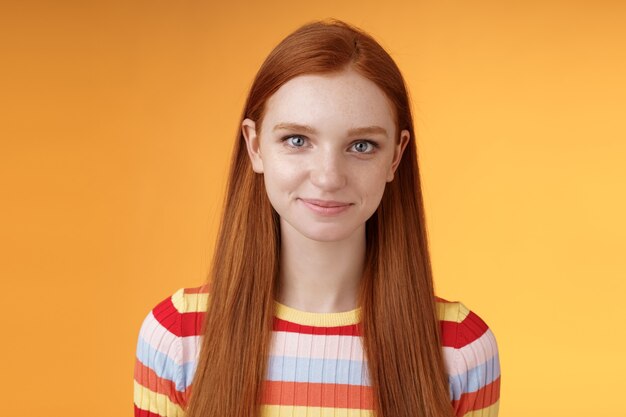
<point>328,234</point>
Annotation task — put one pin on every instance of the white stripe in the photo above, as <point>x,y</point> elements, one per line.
<point>161,339</point>
<point>316,346</point>
<point>475,354</point>
<point>191,347</point>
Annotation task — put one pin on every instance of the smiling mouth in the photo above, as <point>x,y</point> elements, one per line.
<point>328,209</point>
<point>325,203</point>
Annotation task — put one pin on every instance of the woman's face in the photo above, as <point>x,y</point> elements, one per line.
<point>328,137</point>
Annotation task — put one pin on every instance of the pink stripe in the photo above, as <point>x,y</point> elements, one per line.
<point>161,339</point>
<point>449,356</point>
<point>476,353</point>
<point>191,348</point>
<point>316,346</point>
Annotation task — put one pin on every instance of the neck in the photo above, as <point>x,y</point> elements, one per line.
<point>319,276</point>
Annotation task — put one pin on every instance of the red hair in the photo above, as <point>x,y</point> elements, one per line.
<point>399,322</point>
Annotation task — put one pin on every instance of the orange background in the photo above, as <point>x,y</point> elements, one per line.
<point>117,122</point>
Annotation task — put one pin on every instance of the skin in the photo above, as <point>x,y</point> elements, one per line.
<point>322,257</point>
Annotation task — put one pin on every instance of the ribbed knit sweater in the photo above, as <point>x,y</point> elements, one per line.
<point>316,364</point>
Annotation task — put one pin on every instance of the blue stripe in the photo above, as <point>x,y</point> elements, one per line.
<point>475,378</point>
<point>189,369</point>
<point>161,364</point>
<point>329,371</point>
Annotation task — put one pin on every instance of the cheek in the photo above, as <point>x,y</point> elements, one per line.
<point>281,174</point>
<point>372,184</point>
<point>374,174</point>
<point>281,181</point>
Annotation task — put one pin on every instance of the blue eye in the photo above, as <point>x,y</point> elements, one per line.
<point>374,145</point>
<point>286,138</point>
<point>299,142</point>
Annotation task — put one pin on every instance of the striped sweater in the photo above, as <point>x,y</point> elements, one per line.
<point>316,364</point>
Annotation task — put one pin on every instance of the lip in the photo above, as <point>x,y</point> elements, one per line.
<point>330,208</point>
<point>325,203</point>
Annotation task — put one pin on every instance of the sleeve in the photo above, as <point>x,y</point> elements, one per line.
<point>476,385</point>
<point>159,381</point>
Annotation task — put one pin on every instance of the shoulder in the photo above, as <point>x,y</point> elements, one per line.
<point>166,350</point>
<point>471,359</point>
<point>460,326</point>
<point>181,313</point>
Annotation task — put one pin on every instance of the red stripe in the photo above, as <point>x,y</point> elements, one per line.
<point>168,316</point>
<point>191,323</point>
<point>476,400</point>
<point>144,413</point>
<point>461,334</point>
<point>179,324</point>
<point>317,395</point>
<point>471,328</point>
<point>146,377</point>
<point>287,326</point>
<point>448,333</point>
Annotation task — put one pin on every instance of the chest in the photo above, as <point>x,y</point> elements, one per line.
<point>316,374</point>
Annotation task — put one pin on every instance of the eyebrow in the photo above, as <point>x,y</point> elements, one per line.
<point>366,130</point>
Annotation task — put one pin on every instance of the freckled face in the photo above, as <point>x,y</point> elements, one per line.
<point>329,137</point>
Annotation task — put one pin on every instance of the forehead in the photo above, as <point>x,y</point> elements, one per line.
<point>338,100</point>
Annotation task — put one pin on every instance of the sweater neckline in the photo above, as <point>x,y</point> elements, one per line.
<point>307,318</point>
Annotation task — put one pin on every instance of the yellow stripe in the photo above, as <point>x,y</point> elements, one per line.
<point>146,399</point>
<point>189,303</point>
<point>196,303</point>
<point>304,411</point>
<point>454,311</point>
<point>308,318</point>
<point>491,411</point>
<point>178,301</point>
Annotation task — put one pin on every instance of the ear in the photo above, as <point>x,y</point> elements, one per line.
<point>397,153</point>
<point>248,128</point>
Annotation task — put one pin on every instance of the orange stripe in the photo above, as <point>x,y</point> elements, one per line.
<point>317,395</point>
<point>197,290</point>
<point>476,400</point>
<point>146,377</point>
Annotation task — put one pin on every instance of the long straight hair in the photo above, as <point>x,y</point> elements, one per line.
<point>399,322</point>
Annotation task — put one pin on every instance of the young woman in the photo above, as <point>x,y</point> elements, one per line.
<point>320,298</point>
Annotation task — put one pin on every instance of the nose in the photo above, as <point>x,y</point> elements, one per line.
<point>328,171</point>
